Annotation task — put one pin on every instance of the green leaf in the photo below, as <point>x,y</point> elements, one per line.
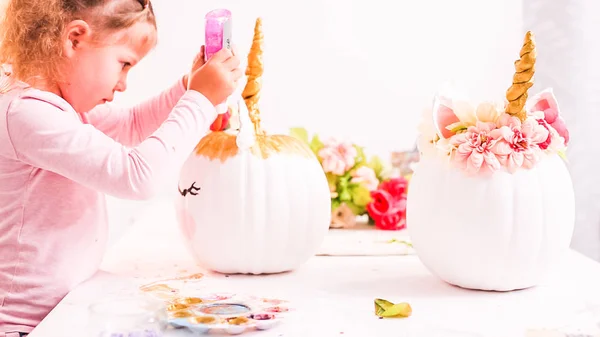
<point>335,204</point>
<point>315,144</point>
<point>563,155</point>
<point>332,179</point>
<point>299,133</point>
<point>356,210</point>
<point>361,195</point>
<point>376,164</point>
<point>456,127</point>
<point>344,181</point>
<point>384,308</point>
<point>344,194</point>
<point>360,158</point>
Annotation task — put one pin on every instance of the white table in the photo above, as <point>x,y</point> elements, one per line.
<point>333,295</point>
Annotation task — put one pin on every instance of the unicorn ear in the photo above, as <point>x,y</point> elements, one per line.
<point>546,102</point>
<point>443,115</point>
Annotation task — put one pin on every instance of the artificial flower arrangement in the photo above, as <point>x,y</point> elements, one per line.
<point>359,185</point>
<point>490,137</point>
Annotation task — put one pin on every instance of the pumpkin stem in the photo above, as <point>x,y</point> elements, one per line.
<point>254,71</point>
<point>523,79</point>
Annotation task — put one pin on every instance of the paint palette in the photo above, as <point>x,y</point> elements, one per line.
<point>231,313</point>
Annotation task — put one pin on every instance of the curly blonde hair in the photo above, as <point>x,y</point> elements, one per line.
<point>31,30</point>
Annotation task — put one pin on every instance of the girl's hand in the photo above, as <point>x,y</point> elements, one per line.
<point>199,59</point>
<point>216,78</point>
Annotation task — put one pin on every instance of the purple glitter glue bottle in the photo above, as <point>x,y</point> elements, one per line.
<point>217,31</point>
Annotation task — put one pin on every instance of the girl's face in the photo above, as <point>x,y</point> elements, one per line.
<point>95,71</point>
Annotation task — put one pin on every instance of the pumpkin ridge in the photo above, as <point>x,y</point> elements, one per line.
<point>511,241</point>
<point>543,238</point>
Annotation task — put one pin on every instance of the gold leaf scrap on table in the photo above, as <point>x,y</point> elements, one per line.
<point>387,309</point>
<point>160,290</point>
<point>163,290</point>
<point>522,79</point>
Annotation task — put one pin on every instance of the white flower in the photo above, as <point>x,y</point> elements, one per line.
<point>488,112</point>
<point>557,144</point>
<point>465,112</point>
<point>444,147</point>
<point>366,176</point>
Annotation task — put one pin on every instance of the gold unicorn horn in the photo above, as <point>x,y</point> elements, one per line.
<point>523,79</point>
<point>254,71</point>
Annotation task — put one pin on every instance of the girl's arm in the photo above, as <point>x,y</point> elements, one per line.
<point>47,133</point>
<point>130,126</point>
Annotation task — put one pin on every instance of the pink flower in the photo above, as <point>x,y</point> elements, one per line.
<point>518,146</point>
<point>366,176</point>
<point>545,144</point>
<point>337,157</point>
<point>546,102</point>
<point>474,148</point>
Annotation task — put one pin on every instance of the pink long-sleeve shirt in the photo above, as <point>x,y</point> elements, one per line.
<point>56,166</point>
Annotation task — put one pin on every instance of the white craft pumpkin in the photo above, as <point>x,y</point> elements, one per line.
<point>501,232</point>
<point>250,202</point>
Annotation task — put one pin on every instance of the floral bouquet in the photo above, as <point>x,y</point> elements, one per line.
<point>359,185</point>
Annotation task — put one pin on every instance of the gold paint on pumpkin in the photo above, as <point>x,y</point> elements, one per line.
<point>254,71</point>
<point>222,145</point>
<point>523,79</point>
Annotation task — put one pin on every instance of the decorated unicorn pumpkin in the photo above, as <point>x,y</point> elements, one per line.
<point>491,202</point>
<point>251,202</point>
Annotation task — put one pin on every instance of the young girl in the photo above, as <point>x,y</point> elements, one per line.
<point>62,148</point>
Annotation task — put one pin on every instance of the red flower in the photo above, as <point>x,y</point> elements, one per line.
<point>381,202</point>
<point>396,187</point>
<point>387,210</point>
<point>221,122</point>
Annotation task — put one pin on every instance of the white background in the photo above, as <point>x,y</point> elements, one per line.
<point>362,70</point>
<point>365,70</point>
